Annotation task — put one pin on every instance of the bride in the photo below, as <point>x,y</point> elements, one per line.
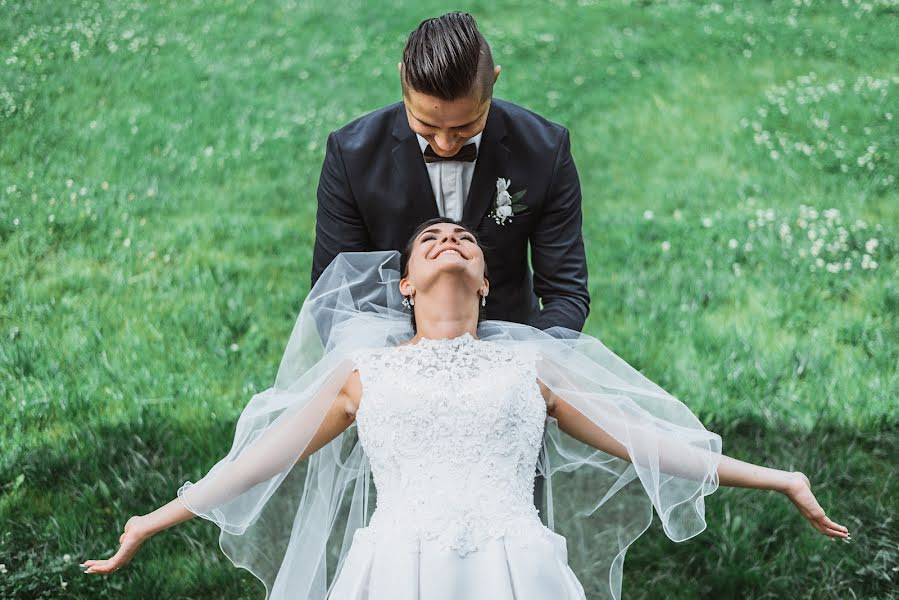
<point>400,379</point>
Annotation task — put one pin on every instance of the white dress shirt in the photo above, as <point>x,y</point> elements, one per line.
<point>450,180</point>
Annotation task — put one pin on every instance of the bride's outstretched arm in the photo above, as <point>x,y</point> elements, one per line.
<point>731,472</point>
<point>246,473</point>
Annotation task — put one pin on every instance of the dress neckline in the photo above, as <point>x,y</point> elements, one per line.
<point>464,339</point>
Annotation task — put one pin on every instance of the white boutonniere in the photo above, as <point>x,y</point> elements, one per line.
<point>504,204</point>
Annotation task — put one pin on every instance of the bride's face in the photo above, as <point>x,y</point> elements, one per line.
<point>445,248</point>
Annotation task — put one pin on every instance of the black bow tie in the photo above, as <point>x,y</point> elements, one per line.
<point>468,153</point>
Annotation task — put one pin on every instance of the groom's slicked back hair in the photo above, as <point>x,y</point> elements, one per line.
<point>447,57</point>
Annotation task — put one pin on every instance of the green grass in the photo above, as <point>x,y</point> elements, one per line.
<point>157,204</point>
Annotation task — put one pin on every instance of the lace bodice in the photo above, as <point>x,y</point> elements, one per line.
<point>452,429</point>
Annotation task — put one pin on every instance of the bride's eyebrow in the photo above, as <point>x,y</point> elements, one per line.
<point>456,230</point>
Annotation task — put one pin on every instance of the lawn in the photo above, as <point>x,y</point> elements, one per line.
<point>158,168</point>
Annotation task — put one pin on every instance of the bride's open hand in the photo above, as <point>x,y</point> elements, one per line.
<point>136,532</point>
<point>800,494</point>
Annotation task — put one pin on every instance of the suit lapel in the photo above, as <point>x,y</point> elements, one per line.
<point>492,162</point>
<point>408,162</point>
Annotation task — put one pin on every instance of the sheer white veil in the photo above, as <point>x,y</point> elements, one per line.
<point>290,523</point>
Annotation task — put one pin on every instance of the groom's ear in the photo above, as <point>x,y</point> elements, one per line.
<point>496,71</point>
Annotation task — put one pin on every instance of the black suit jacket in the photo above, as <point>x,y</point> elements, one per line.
<point>374,191</point>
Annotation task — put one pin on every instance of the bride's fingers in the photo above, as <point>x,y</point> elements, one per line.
<point>825,521</point>
<point>120,558</point>
<point>109,565</point>
<point>837,533</point>
<point>103,567</point>
<point>836,526</point>
<point>829,528</point>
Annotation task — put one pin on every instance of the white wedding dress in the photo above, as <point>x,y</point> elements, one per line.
<point>452,429</point>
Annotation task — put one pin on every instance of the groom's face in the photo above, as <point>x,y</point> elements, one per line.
<point>446,124</point>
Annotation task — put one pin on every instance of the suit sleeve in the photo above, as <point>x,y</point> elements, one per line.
<point>557,249</point>
<point>338,224</point>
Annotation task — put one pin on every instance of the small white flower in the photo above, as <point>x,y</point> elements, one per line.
<point>666,246</point>
<point>127,242</point>
<point>647,214</point>
<point>502,202</point>
<point>66,557</point>
<point>234,347</point>
<point>51,218</point>
<point>2,568</point>
<point>15,221</point>
<point>868,262</point>
<point>706,222</point>
<point>678,215</point>
<point>208,150</point>
<point>104,186</point>
<point>871,245</point>
<point>732,244</point>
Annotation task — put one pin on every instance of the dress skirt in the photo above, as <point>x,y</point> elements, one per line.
<point>517,566</point>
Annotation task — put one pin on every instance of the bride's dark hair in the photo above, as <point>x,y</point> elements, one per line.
<point>407,252</point>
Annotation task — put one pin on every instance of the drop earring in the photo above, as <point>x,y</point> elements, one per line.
<point>483,299</point>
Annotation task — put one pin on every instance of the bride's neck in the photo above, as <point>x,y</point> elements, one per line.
<point>445,310</point>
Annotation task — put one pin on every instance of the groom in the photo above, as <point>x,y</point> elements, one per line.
<point>441,152</point>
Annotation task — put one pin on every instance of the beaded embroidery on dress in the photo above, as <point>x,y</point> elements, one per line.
<point>452,429</point>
